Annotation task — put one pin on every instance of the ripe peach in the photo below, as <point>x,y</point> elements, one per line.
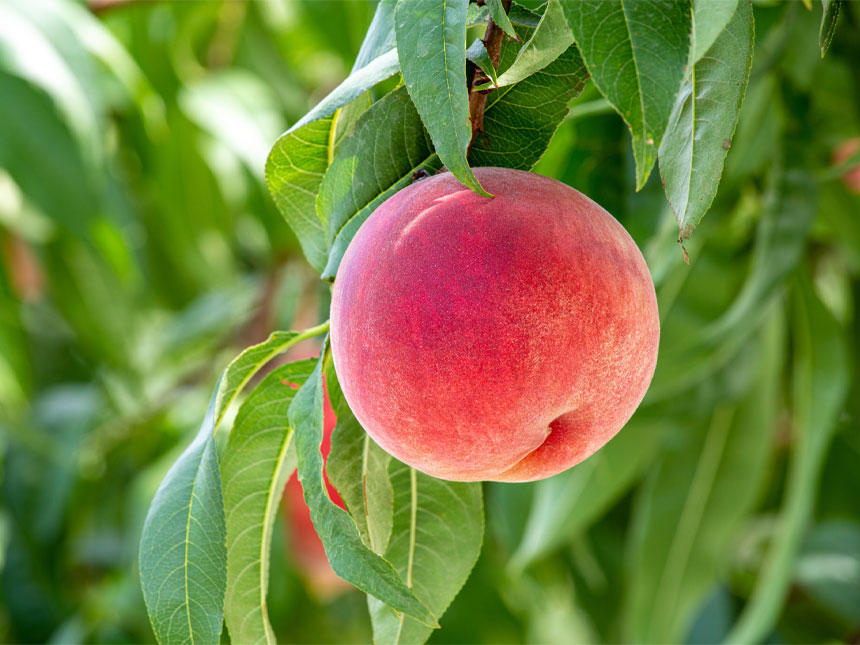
<point>503,338</point>
<point>842,153</point>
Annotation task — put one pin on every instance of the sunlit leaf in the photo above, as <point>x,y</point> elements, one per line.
<point>294,172</point>
<point>300,157</point>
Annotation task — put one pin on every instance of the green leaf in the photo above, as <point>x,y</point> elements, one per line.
<point>391,137</point>
<point>294,172</point>
<point>703,121</point>
<point>833,542</point>
<point>347,554</point>
<point>500,17</point>
<point>436,540</point>
<point>431,41</point>
<point>478,54</point>
<point>687,514</point>
<point>635,51</point>
<point>242,368</point>
<point>548,41</point>
<point>829,17</point>
<point>520,120</point>
<point>358,469</point>
<point>379,38</point>
<point>300,157</point>
<point>567,503</point>
<point>254,468</point>
<point>710,17</point>
<point>821,377</point>
<point>380,68</point>
<point>779,243</point>
<point>183,554</point>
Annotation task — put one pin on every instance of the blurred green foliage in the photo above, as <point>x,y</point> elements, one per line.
<point>141,250</point>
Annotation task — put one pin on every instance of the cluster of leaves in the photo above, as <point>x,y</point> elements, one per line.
<point>723,512</point>
<point>677,74</point>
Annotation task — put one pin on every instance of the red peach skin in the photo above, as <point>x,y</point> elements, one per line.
<point>503,338</point>
<point>842,153</point>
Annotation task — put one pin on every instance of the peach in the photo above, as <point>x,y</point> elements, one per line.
<point>306,548</point>
<point>842,153</point>
<point>504,338</point>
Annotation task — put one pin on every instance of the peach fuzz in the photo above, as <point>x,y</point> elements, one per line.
<point>503,338</point>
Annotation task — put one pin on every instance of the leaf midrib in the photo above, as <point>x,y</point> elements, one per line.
<point>636,70</point>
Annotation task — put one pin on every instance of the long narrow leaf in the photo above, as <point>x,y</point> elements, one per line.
<point>431,43</point>
<point>183,554</point>
<point>821,379</point>
<point>254,468</point>
<point>348,555</point>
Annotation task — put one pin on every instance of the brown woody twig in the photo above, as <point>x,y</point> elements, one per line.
<point>478,99</point>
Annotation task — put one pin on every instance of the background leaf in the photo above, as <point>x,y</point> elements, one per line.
<point>692,503</point>
<point>255,466</point>
<point>431,40</point>
<point>437,536</point>
<point>821,377</point>
<point>703,120</point>
<point>635,51</point>
<point>829,18</point>
<point>780,239</point>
